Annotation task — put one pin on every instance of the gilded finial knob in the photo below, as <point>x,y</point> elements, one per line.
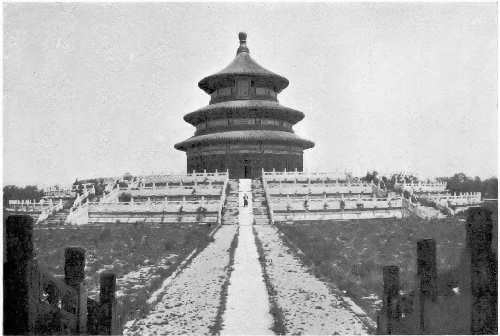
<point>243,43</point>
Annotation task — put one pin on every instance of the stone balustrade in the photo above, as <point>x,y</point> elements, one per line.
<point>462,199</point>
<point>159,207</point>
<point>30,205</point>
<point>280,204</point>
<point>423,187</point>
<point>192,178</point>
<point>319,188</point>
<point>275,176</point>
<point>214,190</point>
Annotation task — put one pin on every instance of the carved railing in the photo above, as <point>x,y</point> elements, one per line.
<point>320,188</point>
<point>421,187</point>
<point>46,213</point>
<point>178,190</point>
<point>267,195</point>
<point>194,177</point>
<point>36,302</point>
<point>331,204</point>
<point>155,206</point>
<point>291,175</point>
<point>462,199</point>
<point>29,206</point>
<point>222,200</point>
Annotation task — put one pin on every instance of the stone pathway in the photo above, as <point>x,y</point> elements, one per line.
<point>307,304</point>
<point>247,307</point>
<point>189,305</point>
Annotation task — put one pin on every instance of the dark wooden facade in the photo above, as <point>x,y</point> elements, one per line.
<point>245,165</point>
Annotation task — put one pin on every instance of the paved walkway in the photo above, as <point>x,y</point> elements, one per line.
<point>247,308</point>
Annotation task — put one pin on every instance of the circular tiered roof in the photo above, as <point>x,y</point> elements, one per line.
<point>243,65</point>
<point>267,136</point>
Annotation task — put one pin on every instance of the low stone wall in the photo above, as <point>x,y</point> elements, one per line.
<point>149,217</point>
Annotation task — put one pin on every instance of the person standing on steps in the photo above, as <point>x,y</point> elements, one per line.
<point>245,200</point>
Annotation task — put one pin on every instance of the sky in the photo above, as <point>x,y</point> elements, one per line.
<point>96,89</point>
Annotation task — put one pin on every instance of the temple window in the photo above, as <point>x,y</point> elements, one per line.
<point>260,91</point>
<point>223,92</point>
<point>243,86</point>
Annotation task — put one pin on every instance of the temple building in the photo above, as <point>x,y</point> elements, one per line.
<point>244,129</point>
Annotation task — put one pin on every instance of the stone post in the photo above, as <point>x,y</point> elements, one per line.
<point>390,276</point>
<point>107,301</point>
<point>483,271</point>
<point>427,277</point>
<point>74,276</point>
<point>20,292</point>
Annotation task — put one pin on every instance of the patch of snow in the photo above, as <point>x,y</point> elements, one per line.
<point>155,297</point>
<point>190,303</point>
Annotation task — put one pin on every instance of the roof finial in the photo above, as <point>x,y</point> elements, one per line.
<point>243,43</point>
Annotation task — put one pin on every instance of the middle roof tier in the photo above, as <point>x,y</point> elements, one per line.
<point>247,108</point>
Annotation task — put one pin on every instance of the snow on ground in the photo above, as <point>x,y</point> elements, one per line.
<point>129,283</point>
<point>190,303</point>
<point>247,307</point>
<point>307,304</point>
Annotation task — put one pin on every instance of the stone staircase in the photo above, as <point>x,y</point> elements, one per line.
<point>260,210</point>
<point>230,209</point>
<point>58,218</point>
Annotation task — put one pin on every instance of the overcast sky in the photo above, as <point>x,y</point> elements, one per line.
<point>100,89</point>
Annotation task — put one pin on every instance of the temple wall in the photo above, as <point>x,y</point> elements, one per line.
<point>245,163</point>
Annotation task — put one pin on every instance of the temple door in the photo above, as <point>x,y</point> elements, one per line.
<point>247,169</point>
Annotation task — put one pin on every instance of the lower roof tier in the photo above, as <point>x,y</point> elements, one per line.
<point>246,136</point>
<point>257,108</point>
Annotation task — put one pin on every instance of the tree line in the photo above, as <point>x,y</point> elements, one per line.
<point>463,183</point>
<point>459,182</point>
<point>30,192</point>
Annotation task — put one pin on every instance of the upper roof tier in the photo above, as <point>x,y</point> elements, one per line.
<point>243,65</point>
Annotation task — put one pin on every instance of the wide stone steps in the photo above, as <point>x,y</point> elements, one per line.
<point>230,209</point>
<point>260,211</point>
<point>59,218</point>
